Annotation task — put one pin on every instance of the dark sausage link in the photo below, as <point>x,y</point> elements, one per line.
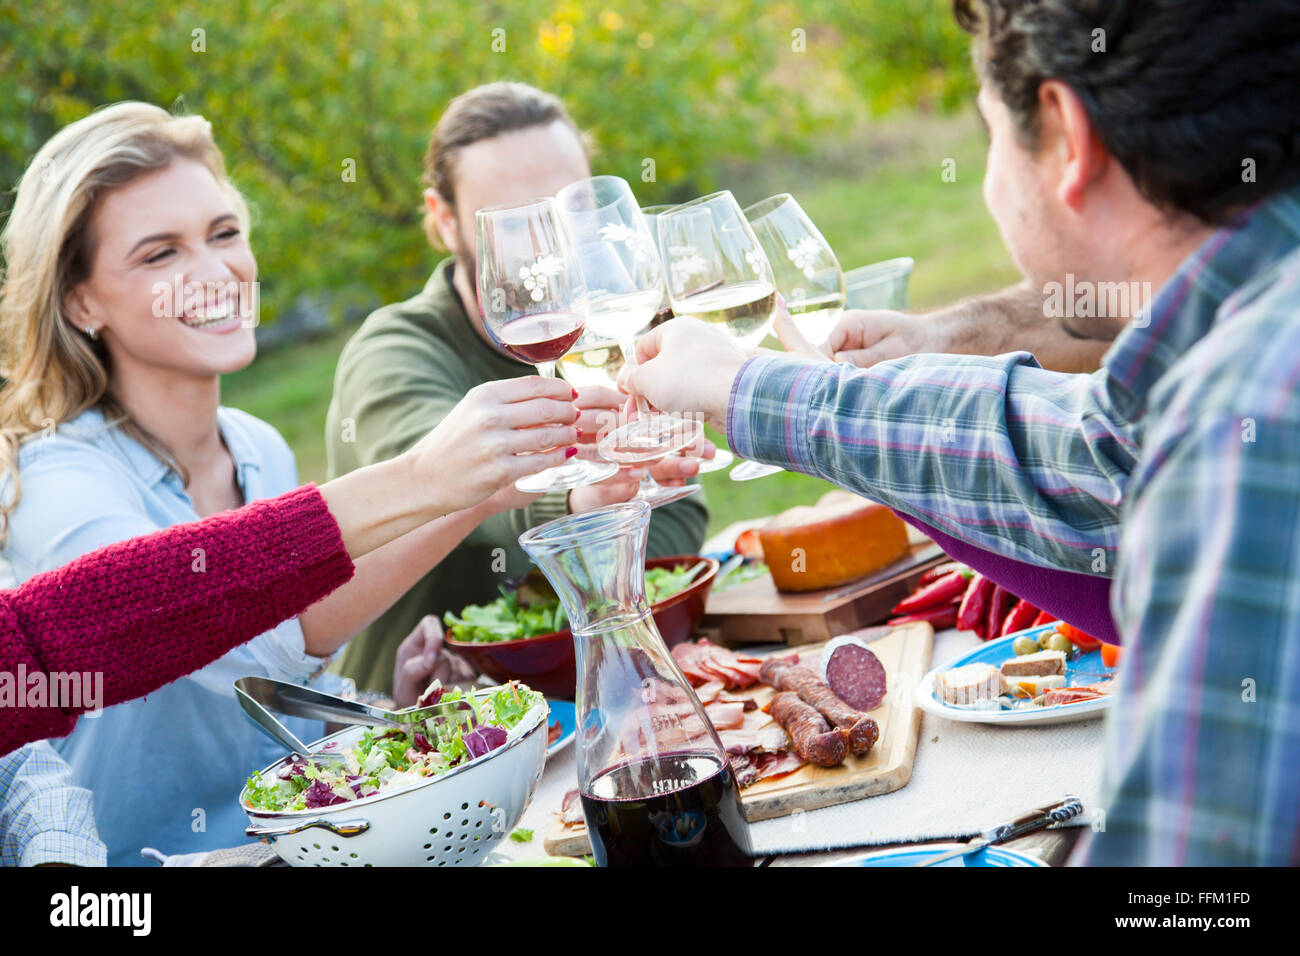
<point>812,690</point>
<point>814,741</point>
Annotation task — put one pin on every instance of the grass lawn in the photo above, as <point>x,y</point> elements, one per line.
<point>878,195</point>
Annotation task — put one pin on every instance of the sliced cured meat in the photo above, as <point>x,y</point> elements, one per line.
<point>748,702</point>
<point>861,731</point>
<point>779,764</point>
<point>745,769</point>
<point>571,809</point>
<point>726,716</point>
<point>708,693</point>
<point>814,741</point>
<point>758,734</point>
<point>704,662</point>
<point>688,658</point>
<point>856,676</point>
<point>1072,695</point>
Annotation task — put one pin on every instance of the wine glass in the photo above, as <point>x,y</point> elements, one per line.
<point>598,361</point>
<point>625,287</point>
<point>723,458</point>
<point>807,274</point>
<point>534,302</point>
<point>718,272</point>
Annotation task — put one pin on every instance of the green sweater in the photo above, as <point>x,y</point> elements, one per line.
<point>399,375</point>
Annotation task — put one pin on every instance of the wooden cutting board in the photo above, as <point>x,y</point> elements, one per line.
<point>755,612</point>
<point>905,653</point>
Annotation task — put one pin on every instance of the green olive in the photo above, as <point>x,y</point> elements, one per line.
<point>1045,640</point>
<point>1059,642</point>
<point>1024,645</point>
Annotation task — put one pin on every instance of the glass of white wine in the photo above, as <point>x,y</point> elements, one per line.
<point>718,272</point>
<point>598,361</point>
<point>625,288</point>
<point>722,459</point>
<point>807,274</point>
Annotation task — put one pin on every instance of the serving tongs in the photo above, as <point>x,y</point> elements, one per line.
<point>294,700</point>
<point>1022,825</point>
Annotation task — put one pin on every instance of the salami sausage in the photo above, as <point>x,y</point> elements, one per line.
<point>814,740</point>
<point>856,676</point>
<point>861,731</point>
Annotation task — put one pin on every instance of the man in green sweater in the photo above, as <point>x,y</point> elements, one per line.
<point>411,362</point>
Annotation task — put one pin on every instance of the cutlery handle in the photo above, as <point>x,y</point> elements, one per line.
<point>1034,820</point>
<point>343,828</point>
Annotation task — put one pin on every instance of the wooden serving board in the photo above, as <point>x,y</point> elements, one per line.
<point>755,612</point>
<point>905,653</point>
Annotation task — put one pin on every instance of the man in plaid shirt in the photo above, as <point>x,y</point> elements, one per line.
<point>1134,144</point>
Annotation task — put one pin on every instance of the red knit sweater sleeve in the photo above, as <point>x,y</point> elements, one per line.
<point>146,611</point>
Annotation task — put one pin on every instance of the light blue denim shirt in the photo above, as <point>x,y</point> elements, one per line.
<point>165,770</point>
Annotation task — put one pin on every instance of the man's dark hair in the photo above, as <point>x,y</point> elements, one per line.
<point>485,112</point>
<point>1183,93</point>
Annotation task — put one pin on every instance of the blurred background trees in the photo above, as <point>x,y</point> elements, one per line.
<point>323,109</point>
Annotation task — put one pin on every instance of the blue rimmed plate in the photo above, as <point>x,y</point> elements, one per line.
<point>1081,670</point>
<point>563,711</point>
<point>912,855</point>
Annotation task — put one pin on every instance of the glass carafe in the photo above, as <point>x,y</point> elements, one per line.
<point>655,783</point>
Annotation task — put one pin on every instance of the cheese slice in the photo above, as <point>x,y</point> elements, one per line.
<point>1031,686</point>
<point>962,686</point>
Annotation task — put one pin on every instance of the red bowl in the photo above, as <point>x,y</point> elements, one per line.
<point>546,662</point>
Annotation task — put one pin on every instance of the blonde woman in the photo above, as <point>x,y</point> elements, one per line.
<point>128,289</point>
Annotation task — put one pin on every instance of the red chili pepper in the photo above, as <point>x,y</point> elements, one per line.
<point>1021,617</point>
<point>1043,618</point>
<point>942,570</point>
<point>970,615</point>
<point>939,617</point>
<point>938,593</point>
<point>996,612</point>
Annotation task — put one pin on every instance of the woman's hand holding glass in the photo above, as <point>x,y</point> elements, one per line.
<point>498,433</point>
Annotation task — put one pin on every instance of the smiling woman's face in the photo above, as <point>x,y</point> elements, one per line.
<point>174,229</point>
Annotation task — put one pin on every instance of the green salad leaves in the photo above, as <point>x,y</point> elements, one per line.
<point>505,619</point>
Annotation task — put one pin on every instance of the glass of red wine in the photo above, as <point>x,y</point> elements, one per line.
<point>533,301</point>
<point>655,783</point>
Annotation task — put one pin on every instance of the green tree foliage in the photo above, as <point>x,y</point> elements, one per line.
<point>302,92</point>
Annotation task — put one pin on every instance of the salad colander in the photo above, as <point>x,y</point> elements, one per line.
<point>450,820</point>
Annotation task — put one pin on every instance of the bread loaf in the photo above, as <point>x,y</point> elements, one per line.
<point>841,538</point>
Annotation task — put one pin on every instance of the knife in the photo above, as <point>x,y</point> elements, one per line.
<point>1022,825</point>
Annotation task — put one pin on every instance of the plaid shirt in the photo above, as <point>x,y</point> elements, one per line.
<point>44,816</point>
<point>1176,467</point>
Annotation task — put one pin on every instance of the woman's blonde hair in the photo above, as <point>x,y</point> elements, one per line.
<point>53,371</point>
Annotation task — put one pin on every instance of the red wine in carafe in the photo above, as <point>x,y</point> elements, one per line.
<point>541,338</point>
<point>679,809</point>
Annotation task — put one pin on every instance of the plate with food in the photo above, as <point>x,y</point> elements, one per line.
<point>913,855</point>
<point>560,726</point>
<point>1051,674</point>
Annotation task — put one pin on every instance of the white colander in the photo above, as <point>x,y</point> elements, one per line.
<point>451,820</point>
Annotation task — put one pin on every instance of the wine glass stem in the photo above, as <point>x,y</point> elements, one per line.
<point>629,361</point>
<point>546,369</point>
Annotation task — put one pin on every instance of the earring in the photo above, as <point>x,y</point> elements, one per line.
<point>90,331</point>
